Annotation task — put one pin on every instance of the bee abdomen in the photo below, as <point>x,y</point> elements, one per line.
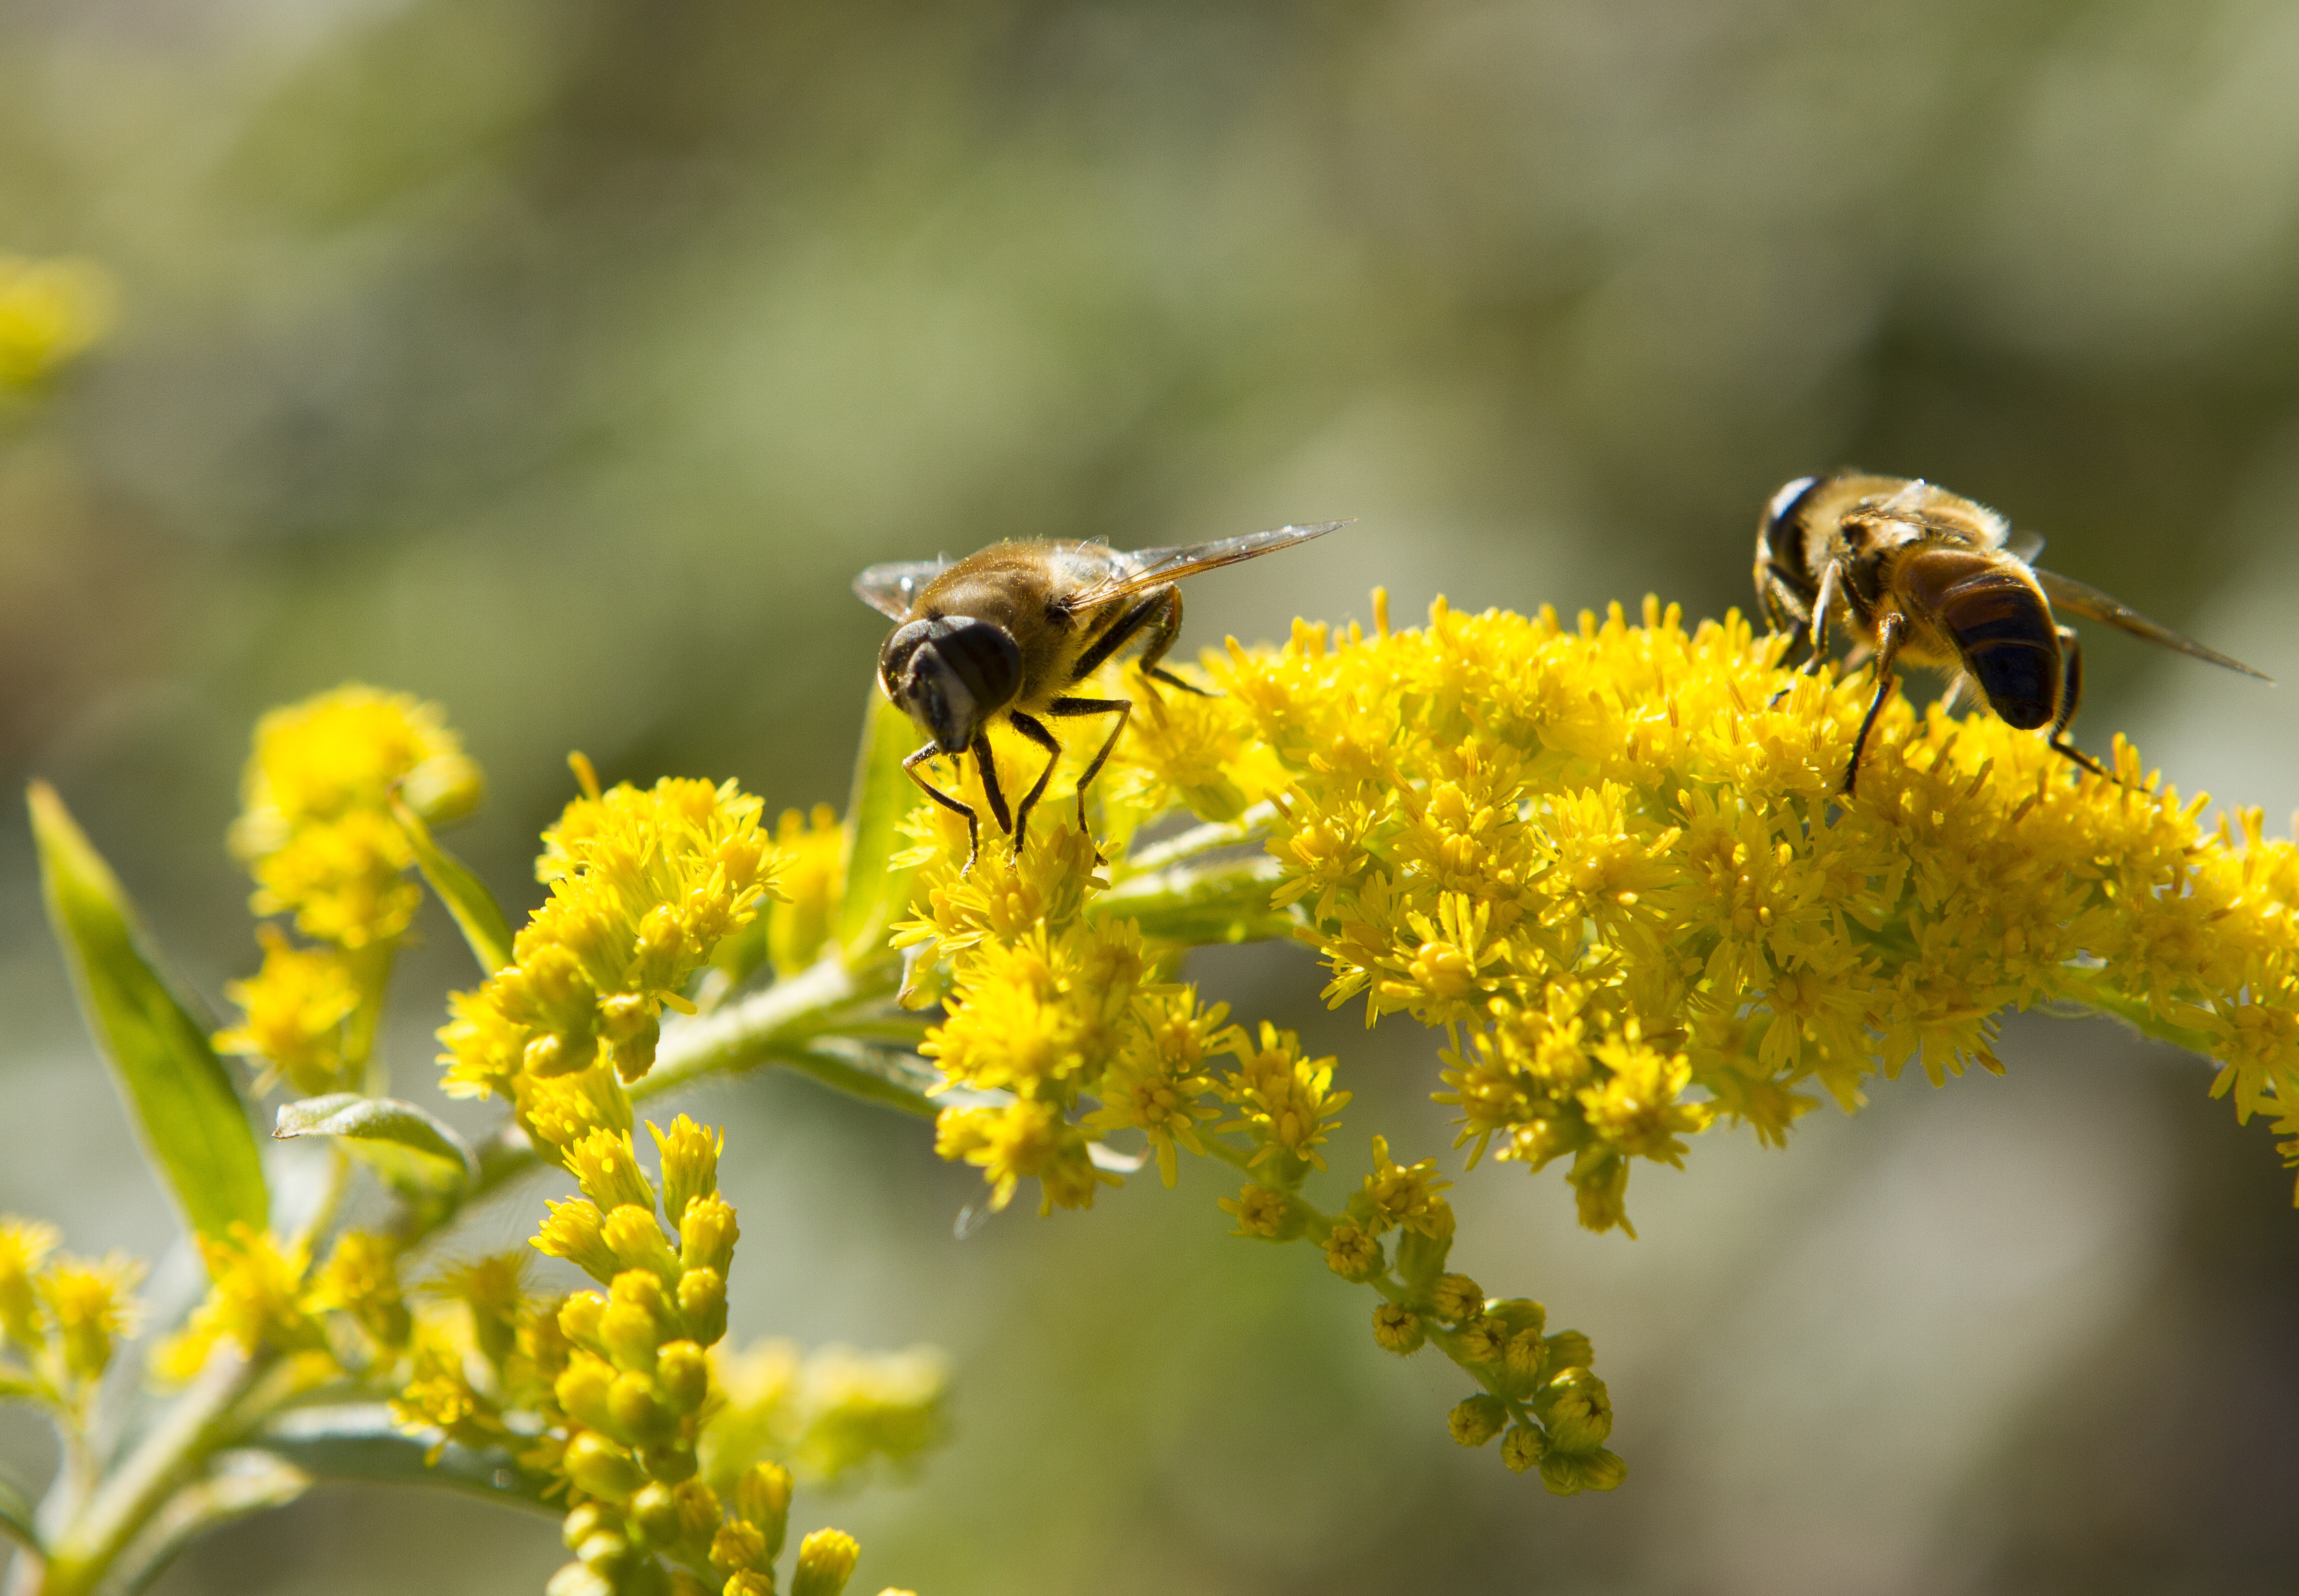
<point>2004,630</point>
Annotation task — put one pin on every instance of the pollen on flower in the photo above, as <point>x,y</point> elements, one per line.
<point>294,1008</point>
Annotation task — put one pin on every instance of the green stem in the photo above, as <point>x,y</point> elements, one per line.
<point>202,1421</point>
<point>2090,988</point>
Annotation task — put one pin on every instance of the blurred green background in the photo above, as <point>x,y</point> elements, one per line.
<point>563,360</point>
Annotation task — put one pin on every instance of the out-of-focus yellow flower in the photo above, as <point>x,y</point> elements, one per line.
<point>295,1007</point>
<point>92,1303</point>
<point>50,310</point>
<point>258,1298</point>
<point>826,1415</point>
<point>315,825</point>
<point>811,852</point>
<point>24,1246</point>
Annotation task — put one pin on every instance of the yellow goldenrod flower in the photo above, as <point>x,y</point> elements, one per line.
<point>258,1298</point>
<point>811,849</point>
<point>295,1007</point>
<point>49,311</point>
<point>315,825</point>
<point>24,1246</point>
<point>826,1562</point>
<point>644,885</point>
<point>361,1279</point>
<point>91,1303</point>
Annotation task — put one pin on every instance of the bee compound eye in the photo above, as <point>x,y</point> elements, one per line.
<point>984,659</point>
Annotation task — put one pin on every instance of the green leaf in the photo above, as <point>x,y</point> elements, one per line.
<point>884,795</point>
<point>466,897</point>
<point>182,1102</point>
<point>16,1518</point>
<point>1200,904</point>
<point>407,1146</point>
<point>361,1441</point>
<point>875,1074</point>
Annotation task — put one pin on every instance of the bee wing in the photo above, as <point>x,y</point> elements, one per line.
<point>891,589</point>
<point>2068,593</point>
<point>2024,546</point>
<point>1154,568</point>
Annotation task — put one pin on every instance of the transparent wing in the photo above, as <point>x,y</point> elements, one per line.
<point>1153,568</point>
<point>2068,593</point>
<point>2024,546</point>
<point>891,589</point>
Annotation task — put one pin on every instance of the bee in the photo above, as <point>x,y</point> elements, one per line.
<point>1013,630</point>
<point>1926,577</point>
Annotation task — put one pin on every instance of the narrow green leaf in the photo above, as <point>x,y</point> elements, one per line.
<point>1226,902</point>
<point>896,1080</point>
<point>404,1143</point>
<point>16,1518</point>
<point>191,1121</point>
<point>884,795</point>
<point>361,1441</point>
<point>466,897</point>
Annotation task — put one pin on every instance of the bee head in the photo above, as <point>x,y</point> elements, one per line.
<point>950,673</point>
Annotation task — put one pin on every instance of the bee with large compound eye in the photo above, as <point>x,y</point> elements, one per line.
<point>1925,577</point>
<point>1012,629</point>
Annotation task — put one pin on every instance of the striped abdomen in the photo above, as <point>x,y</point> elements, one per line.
<point>1990,608</point>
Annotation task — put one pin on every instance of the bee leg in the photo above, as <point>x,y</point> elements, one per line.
<point>1068,708</point>
<point>1037,733</point>
<point>1820,606</point>
<point>989,789</point>
<point>973,825</point>
<point>1888,628</point>
<point>1168,627</point>
<point>1122,632</point>
<point>2070,697</point>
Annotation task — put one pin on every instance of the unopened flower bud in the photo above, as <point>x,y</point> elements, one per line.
<point>598,1467</point>
<point>638,1242</point>
<point>582,1523</point>
<point>670,1461</point>
<point>1578,1411</point>
<point>607,1170</point>
<point>639,1413</point>
<point>579,1317</point>
<point>1523,1448</point>
<point>576,1579</point>
<point>763,1497</point>
<point>702,1300</point>
<point>655,1510</point>
<point>1457,1297</point>
<point>738,1544</point>
<point>1483,1340</point>
<point>1525,1360</point>
<point>1478,1419</point>
<point>1351,1253</point>
<point>581,1389</point>
<point>1397,1329</point>
<point>1569,1349</point>
<point>683,1373</point>
<point>826,1562</point>
<point>707,1233</point>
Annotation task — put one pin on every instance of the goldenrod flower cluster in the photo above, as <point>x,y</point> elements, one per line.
<point>61,1317</point>
<point>830,1414</point>
<point>318,833</point>
<point>1611,863</point>
<point>50,310</point>
<point>644,885</point>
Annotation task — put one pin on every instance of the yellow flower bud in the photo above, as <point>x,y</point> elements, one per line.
<point>1352,1254</point>
<point>1523,1448</point>
<point>707,1232</point>
<point>1565,1473</point>
<point>690,1166</point>
<point>1578,1411</point>
<point>638,1242</point>
<point>826,1562</point>
<point>1478,1419</point>
<point>682,1374</point>
<point>581,1389</point>
<point>762,1496</point>
<point>599,1467</point>
<point>1397,1329</point>
<point>739,1544</point>
<point>582,1523</point>
<point>640,1413</point>
<point>703,1301</point>
<point>1483,1342</point>
<point>24,1245</point>
<point>608,1171</point>
<point>1456,1298</point>
<point>580,1316</point>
